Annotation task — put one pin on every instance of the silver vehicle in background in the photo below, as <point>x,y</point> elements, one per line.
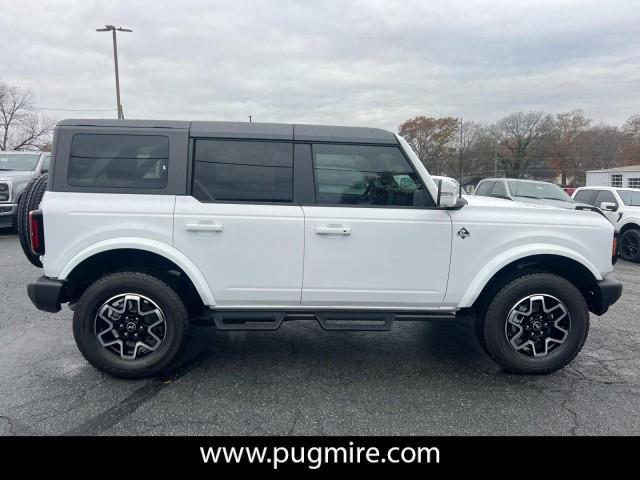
<point>17,169</point>
<point>526,191</point>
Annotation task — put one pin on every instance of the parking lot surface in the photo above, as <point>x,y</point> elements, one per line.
<point>420,378</point>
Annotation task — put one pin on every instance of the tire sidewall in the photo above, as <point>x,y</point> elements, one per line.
<point>103,290</point>
<point>635,233</point>
<point>498,311</point>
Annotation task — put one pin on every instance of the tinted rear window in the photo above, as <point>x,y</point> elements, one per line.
<point>249,171</point>
<point>118,161</point>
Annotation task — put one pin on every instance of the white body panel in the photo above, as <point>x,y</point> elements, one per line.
<point>74,222</point>
<point>390,257</point>
<point>250,254</point>
<point>268,256</point>
<point>502,231</point>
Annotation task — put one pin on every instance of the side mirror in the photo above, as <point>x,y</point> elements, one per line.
<point>608,206</point>
<point>448,193</point>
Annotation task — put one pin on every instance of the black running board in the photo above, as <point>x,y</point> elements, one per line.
<point>343,320</point>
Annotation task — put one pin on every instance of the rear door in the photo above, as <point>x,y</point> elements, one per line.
<point>240,225</point>
<point>373,237</point>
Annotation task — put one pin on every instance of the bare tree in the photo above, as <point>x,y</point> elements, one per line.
<point>433,140</point>
<point>21,126</point>
<point>563,141</point>
<point>519,135</point>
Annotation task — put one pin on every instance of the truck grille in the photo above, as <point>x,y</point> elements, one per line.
<point>5,192</point>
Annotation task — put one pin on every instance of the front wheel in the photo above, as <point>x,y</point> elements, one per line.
<point>536,324</point>
<point>130,325</point>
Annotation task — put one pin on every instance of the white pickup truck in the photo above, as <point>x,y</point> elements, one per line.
<point>146,226</point>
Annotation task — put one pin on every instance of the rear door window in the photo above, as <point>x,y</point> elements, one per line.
<point>118,161</point>
<point>243,171</point>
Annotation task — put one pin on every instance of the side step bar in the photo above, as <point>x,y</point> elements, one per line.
<point>328,320</point>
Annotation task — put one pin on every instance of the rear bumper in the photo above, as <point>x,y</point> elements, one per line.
<point>46,294</point>
<point>607,292</point>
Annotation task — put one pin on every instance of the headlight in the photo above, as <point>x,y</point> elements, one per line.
<point>4,187</point>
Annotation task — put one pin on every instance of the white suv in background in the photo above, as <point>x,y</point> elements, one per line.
<point>147,225</point>
<point>622,208</point>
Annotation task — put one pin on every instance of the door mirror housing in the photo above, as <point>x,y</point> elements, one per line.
<point>448,193</point>
<point>608,206</point>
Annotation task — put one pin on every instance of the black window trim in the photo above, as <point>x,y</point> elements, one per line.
<point>119,190</point>
<point>191,168</point>
<point>434,205</point>
<point>301,184</point>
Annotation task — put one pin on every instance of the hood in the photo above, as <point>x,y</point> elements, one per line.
<point>498,202</point>
<point>530,203</point>
<point>570,204</point>
<point>16,175</point>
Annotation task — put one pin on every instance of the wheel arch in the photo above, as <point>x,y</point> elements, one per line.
<point>578,273</point>
<point>631,225</point>
<point>140,255</point>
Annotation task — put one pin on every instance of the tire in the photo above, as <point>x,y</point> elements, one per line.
<point>516,345</point>
<point>89,328</point>
<point>630,246</point>
<point>29,200</point>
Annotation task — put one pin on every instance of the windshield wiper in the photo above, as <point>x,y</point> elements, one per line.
<point>7,169</point>
<point>528,196</point>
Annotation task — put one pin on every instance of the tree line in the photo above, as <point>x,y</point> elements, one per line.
<point>557,147</point>
<point>22,127</point>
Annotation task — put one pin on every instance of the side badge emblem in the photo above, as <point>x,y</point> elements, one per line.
<point>463,233</point>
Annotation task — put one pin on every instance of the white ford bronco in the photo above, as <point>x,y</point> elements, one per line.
<point>145,227</point>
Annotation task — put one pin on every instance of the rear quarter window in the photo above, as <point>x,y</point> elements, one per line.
<point>118,161</point>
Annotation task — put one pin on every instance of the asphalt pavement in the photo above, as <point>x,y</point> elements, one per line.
<point>420,378</point>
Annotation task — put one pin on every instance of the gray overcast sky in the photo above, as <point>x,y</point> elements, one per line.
<point>370,62</point>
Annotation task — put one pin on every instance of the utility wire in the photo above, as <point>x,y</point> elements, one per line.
<point>76,109</point>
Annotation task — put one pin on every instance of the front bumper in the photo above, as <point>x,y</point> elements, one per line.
<point>7,214</point>
<point>607,292</point>
<point>46,294</point>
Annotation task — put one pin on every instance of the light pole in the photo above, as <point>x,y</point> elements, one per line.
<point>113,29</point>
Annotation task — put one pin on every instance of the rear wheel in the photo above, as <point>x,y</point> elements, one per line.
<point>536,324</point>
<point>630,245</point>
<point>130,325</point>
<point>30,200</point>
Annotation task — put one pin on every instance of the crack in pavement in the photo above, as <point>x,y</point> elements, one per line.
<point>112,416</point>
<point>12,432</point>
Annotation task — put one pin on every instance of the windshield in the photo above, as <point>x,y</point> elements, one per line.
<point>631,198</point>
<point>18,161</point>
<point>546,191</point>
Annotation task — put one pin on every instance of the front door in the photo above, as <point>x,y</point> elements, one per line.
<point>370,240</point>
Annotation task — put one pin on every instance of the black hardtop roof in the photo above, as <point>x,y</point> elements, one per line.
<point>251,130</point>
